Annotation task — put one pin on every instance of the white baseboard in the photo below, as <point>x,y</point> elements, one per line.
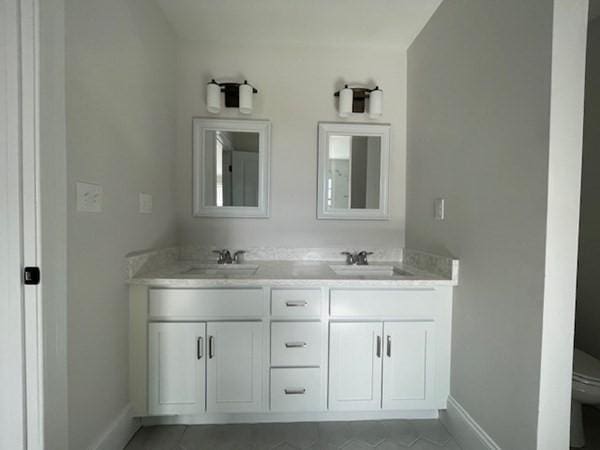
<point>468,433</point>
<point>323,416</point>
<point>119,432</point>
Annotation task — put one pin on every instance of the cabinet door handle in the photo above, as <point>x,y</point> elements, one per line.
<point>211,349</point>
<point>295,344</point>
<point>296,303</point>
<point>199,347</point>
<point>379,346</point>
<point>389,346</point>
<point>294,391</point>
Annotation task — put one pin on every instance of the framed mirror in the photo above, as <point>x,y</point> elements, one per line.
<point>353,171</point>
<point>231,167</point>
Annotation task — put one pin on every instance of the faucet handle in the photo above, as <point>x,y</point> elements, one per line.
<point>238,256</point>
<point>361,258</point>
<point>350,257</point>
<point>220,253</point>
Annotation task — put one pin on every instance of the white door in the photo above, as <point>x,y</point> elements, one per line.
<point>176,372</point>
<point>355,366</point>
<point>234,367</point>
<point>244,178</point>
<point>408,366</point>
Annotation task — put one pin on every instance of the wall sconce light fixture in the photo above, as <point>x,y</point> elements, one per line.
<point>353,100</point>
<point>237,95</point>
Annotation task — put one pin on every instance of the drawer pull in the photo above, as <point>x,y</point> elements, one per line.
<point>296,303</point>
<point>295,344</point>
<point>294,391</point>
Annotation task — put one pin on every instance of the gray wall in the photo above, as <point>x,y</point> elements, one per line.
<point>478,135</point>
<point>120,81</point>
<point>296,85</point>
<point>587,320</point>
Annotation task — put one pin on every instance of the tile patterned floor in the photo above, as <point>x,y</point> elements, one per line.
<point>369,435</point>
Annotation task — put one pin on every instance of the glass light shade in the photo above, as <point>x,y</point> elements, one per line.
<point>345,106</point>
<point>245,98</point>
<point>213,98</point>
<point>375,103</point>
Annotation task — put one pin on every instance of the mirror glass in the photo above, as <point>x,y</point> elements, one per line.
<point>353,172</point>
<point>231,167</point>
<point>231,161</point>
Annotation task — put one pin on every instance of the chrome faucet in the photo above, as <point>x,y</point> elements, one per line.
<point>224,256</point>
<point>358,258</point>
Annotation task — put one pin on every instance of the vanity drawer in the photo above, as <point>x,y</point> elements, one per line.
<point>205,303</point>
<point>413,302</point>
<point>295,389</point>
<point>296,344</point>
<point>299,303</point>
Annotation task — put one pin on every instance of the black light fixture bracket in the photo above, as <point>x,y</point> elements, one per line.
<point>359,97</point>
<point>232,92</point>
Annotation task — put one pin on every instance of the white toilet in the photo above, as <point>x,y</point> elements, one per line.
<point>586,391</point>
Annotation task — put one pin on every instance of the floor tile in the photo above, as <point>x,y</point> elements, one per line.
<point>218,437</point>
<point>335,434</point>
<point>357,445</point>
<point>357,435</point>
<point>299,435</point>
<point>400,432</point>
<point>165,437</point>
<point>371,432</point>
<point>432,430</point>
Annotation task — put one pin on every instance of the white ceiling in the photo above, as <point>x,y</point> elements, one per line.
<point>362,23</point>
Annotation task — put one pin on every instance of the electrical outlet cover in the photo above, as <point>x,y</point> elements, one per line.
<point>89,197</point>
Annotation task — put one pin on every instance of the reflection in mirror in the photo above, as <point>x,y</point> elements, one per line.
<point>353,172</point>
<point>231,167</point>
<point>231,159</point>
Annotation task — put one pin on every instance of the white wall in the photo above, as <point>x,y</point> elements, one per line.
<point>478,135</point>
<point>587,320</point>
<point>120,82</point>
<point>296,85</point>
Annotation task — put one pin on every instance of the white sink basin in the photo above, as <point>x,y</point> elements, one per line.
<point>374,270</point>
<point>222,269</point>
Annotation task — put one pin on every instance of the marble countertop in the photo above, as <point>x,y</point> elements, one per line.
<point>288,274</point>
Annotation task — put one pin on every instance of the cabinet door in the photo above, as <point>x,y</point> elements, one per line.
<point>355,366</point>
<point>408,366</point>
<point>234,366</point>
<point>176,360</point>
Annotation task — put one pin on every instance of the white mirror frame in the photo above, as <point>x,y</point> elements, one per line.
<point>200,206</point>
<point>353,129</point>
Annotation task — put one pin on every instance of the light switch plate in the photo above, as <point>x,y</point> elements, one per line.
<point>439,209</point>
<point>145,203</point>
<point>89,197</point>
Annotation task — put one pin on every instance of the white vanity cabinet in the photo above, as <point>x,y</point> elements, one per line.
<point>355,366</point>
<point>300,353</point>
<point>176,368</point>
<point>234,367</point>
<point>376,365</point>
